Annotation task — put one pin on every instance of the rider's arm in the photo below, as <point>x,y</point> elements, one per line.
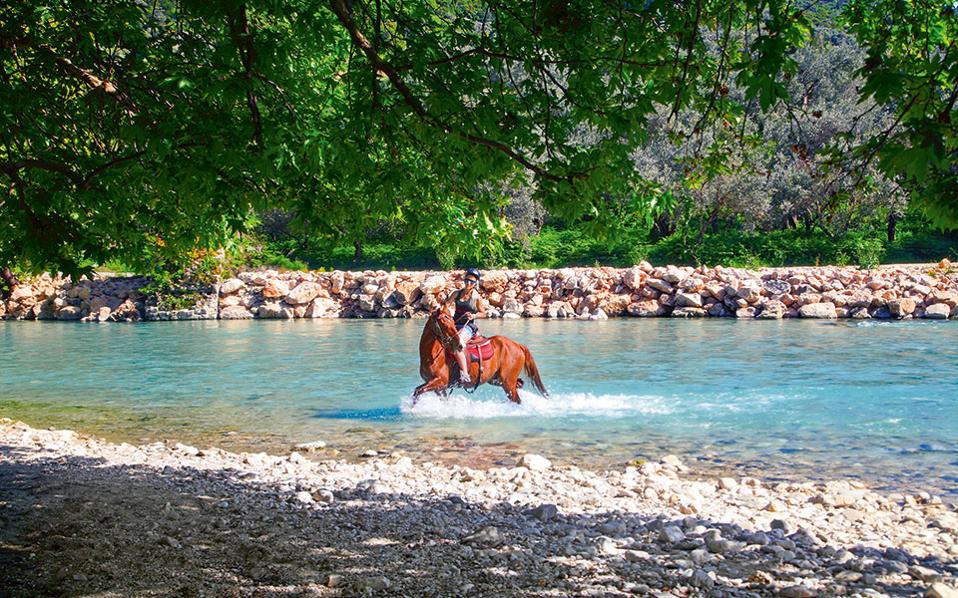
<point>451,299</point>
<point>481,305</point>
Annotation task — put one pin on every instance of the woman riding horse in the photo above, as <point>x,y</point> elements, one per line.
<point>501,366</point>
<point>466,303</point>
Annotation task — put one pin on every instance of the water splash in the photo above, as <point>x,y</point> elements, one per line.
<point>559,405</point>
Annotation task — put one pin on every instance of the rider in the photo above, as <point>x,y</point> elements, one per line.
<point>467,304</point>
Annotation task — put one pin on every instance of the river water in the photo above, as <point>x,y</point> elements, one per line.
<point>876,401</point>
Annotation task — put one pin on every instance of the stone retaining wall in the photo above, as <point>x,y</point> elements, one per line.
<point>902,292</point>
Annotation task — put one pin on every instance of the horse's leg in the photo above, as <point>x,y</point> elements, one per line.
<point>509,369</point>
<point>436,385</point>
<point>512,392</point>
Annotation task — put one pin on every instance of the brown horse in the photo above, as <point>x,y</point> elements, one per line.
<point>437,365</point>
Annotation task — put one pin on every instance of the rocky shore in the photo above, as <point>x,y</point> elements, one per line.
<point>81,516</point>
<point>889,292</point>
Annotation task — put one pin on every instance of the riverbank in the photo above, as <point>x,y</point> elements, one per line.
<point>84,516</point>
<point>889,292</point>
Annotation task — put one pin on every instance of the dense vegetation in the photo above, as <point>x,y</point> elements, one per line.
<point>385,133</point>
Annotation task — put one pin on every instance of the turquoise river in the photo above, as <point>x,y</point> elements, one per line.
<point>875,401</point>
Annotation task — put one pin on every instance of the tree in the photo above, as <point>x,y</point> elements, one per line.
<point>128,129</point>
<point>912,66</point>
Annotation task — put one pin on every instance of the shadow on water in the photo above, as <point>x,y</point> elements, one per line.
<point>75,526</point>
<point>390,414</point>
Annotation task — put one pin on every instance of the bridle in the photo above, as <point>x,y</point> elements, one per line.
<point>444,338</point>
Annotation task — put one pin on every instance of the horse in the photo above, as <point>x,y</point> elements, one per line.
<point>437,365</point>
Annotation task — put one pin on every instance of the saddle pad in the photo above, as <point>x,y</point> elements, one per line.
<point>479,347</point>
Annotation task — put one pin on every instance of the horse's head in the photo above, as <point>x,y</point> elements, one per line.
<point>444,327</point>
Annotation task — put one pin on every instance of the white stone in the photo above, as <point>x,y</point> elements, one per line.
<point>303,293</point>
<point>235,312</point>
<point>231,285</point>
<point>534,462</point>
<point>937,311</point>
<point>825,310</point>
<point>940,590</point>
<point>316,445</point>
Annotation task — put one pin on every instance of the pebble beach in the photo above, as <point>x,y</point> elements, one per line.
<point>83,516</point>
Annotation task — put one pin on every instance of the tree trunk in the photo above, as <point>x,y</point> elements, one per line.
<point>892,225</point>
<point>661,227</point>
<point>10,281</point>
<point>358,253</point>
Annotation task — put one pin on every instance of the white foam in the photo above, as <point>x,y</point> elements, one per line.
<point>460,406</point>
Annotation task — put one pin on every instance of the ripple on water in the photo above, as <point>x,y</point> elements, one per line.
<point>556,406</point>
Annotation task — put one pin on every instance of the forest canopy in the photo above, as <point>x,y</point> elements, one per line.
<point>146,130</point>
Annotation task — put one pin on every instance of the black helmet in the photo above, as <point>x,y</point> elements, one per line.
<point>472,272</point>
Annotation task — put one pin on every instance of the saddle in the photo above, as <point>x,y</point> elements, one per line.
<point>479,348</point>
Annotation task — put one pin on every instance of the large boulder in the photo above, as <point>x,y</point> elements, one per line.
<point>688,300</point>
<point>406,292</point>
<point>718,310</point>
<point>674,275</point>
<point>367,303</point>
<point>633,278</point>
<point>231,285</point>
<point>900,308</point>
<point>649,308</point>
<point>560,309</point>
<point>433,285</point>
<point>69,312</point>
<point>950,298</point>
<point>659,285</point>
<point>46,310</point>
<point>749,291</point>
<point>323,307</point>
<point>127,312</point>
<point>860,299</point>
<point>774,286</point>
<point>531,310</point>
<point>274,311</point>
<point>823,310</point>
<point>235,312</point>
<point>615,305</point>
<point>303,293</point>
<point>336,282</point>
<point>772,310</point>
<point>494,280</point>
<point>275,289</point>
<point>21,292</point>
<point>511,306</point>
<point>937,311</point>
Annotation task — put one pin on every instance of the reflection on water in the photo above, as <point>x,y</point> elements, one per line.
<point>878,401</point>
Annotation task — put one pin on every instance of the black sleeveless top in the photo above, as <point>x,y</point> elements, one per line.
<point>464,306</point>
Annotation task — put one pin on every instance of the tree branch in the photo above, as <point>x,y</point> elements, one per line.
<point>243,40</point>
<point>344,14</point>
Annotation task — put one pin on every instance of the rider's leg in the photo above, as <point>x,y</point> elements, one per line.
<point>465,333</point>
<point>463,368</point>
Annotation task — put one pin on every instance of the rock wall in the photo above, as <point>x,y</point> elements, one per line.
<point>901,292</point>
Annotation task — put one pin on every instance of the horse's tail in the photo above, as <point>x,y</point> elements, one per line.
<point>533,372</point>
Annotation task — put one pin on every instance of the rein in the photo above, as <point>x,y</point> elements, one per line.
<point>444,340</point>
